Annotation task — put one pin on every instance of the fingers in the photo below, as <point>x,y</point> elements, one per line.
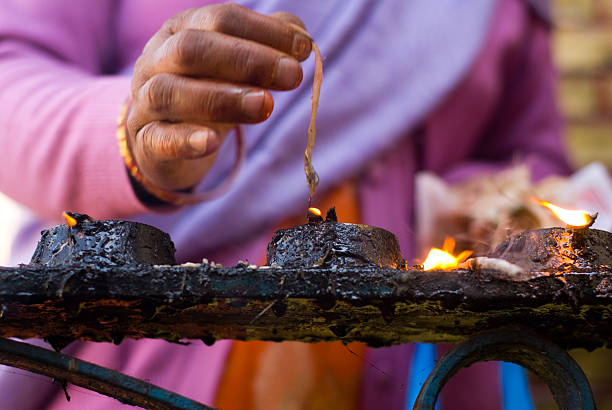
<point>206,70</point>
<point>215,55</point>
<point>163,141</point>
<point>238,21</point>
<point>168,97</point>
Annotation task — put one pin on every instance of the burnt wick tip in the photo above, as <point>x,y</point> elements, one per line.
<point>331,215</point>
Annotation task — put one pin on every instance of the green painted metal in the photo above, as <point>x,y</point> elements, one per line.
<point>61,367</point>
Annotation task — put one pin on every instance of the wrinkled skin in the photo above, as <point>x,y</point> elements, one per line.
<point>205,71</point>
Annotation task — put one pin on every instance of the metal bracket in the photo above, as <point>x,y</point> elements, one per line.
<point>520,345</point>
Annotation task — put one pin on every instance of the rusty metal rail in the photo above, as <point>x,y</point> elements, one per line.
<point>376,306</point>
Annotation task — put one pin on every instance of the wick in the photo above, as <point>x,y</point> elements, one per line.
<point>331,215</point>
<point>593,218</point>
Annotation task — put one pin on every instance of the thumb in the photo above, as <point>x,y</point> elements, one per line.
<point>162,141</point>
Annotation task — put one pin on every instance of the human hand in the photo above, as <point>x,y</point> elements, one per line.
<point>206,70</point>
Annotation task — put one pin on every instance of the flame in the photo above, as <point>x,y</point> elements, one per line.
<point>444,258</point>
<point>575,218</point>
<point>70,220</point>
<point>315,211</point>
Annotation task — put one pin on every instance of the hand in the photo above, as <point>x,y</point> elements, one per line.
<point>206,70</point>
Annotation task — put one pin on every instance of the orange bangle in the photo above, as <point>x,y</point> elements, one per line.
<point>174,197</point>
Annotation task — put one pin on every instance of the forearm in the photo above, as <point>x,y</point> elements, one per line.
<point>59,147</point>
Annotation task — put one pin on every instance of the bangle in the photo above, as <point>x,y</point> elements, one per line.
<point>174,197</point>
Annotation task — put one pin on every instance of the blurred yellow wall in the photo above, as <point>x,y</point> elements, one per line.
<point>582,46</point>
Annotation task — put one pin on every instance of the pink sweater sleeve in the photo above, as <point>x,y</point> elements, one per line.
<point>58,113</point>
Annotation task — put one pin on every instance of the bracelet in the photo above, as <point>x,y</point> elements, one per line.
<point>174,197</point>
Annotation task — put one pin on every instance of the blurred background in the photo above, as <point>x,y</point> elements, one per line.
<point>582,46</point>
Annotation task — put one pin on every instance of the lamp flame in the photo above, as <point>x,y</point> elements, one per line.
<point>70,220</point>
<point>444,258</point>
<point>572,217</point>
<point>315,211</point>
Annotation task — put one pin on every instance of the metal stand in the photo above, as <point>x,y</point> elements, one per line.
<point>566,380</point>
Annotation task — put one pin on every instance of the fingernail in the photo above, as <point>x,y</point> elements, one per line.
<point>288,73</point>
<point>301,46</point>
<point>200,141</point>
<point>257,105</point>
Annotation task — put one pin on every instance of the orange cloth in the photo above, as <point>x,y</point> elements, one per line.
<point>293,375</point>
